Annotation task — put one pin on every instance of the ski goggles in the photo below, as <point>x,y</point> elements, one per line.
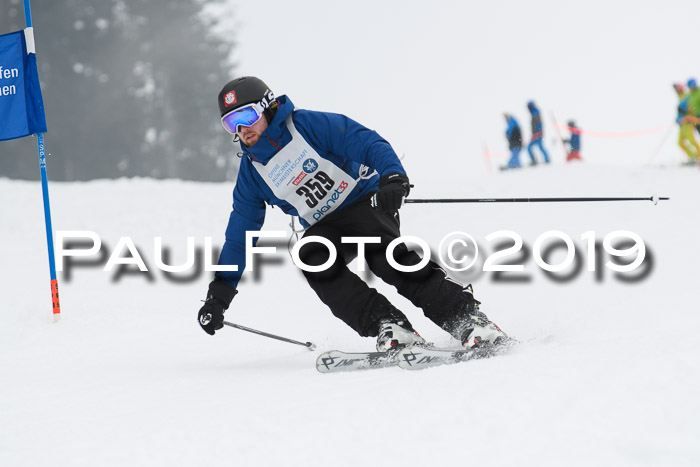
<point>244,116</point>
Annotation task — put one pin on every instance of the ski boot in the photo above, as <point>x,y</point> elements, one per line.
<point>474,329</point>
<point>396,334</point>
<point>478,331</point>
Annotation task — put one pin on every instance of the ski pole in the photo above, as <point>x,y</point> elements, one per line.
<point>661,145</point>
<point>653,199</point>
<point>308,345</point>
<point>561,138</point>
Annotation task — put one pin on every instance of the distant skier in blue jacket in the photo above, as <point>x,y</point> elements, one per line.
<point>515,141</point>
<point>537,134</point>
<point>342,180</point>
<point>574,142</point>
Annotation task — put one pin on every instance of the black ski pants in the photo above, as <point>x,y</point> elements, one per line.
<point>352,300</point>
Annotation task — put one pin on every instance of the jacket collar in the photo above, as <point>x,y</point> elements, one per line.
<point>275,137</point>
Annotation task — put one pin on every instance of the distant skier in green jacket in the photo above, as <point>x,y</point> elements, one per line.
<point>686,134</point>
<point>694,102</point>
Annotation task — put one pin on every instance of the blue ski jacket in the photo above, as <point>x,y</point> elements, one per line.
<point>575,141</point>
<point>354,148</point>
<point>513,134</point>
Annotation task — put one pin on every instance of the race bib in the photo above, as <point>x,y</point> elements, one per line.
<point>297,174</point>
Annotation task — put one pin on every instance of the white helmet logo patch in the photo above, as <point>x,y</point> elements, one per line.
<point>230,98</point>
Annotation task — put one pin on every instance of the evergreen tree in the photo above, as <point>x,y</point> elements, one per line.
<point>129,90</point>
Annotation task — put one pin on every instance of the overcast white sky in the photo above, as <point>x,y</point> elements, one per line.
<point>434,77</point>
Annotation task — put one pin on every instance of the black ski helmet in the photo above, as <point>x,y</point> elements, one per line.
<point>247,90</point>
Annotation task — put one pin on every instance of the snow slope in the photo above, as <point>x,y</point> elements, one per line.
<point>607,373</point>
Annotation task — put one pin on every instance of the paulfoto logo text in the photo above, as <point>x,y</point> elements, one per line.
<point>457,252</point>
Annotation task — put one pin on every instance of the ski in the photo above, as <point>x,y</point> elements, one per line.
<point>418,358</point>
<point>414,357</point>
<point>336,361</point>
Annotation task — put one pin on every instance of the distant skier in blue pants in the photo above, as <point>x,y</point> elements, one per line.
<point>536,140</point>
<point>515,141</point>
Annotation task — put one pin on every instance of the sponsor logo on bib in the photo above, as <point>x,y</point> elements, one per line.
<point>310,166</point>
<point>330,204</point>
<point>299,179</point>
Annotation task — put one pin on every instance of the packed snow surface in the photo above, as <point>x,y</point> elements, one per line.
<point>606,373</point>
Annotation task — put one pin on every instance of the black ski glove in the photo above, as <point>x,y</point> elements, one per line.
<point>211,315</point>
<point>393,188</point>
